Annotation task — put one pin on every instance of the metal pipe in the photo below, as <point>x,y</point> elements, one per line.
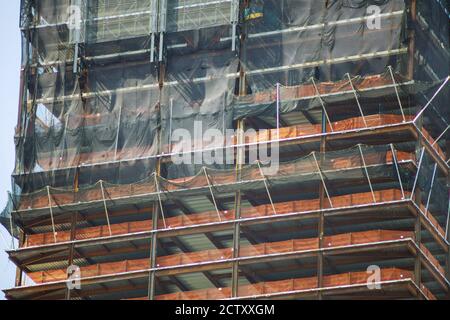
<point>357,100</point>
<point>418,171</point>
<point>212,194</point>
<point>322,103</point>
<point>267,187</point>
<point>51,213</point>
<point>394,156</point>
<point>278,109</point>
<point>160,201</point>
<point>105,207</point>
<point>323,180</point>
<point>396,92</point>
<point>367,173</point>
<point>431,188</point>
<point>431,100</point>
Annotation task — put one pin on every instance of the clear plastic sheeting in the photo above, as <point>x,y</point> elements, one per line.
<point>52,44</point>
<point>123,106</point>
<point>197,98</point>
<point>58,26</point>
<point>52,12</point>
<point>99,27</point>
<point>380,36</point>
<point>115,119</point>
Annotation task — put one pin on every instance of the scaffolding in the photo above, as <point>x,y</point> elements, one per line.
<point>359,118</point>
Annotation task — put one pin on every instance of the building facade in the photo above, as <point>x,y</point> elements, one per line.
<point>231,149</point>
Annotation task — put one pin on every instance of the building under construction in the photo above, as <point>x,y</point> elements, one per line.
<point>351,94</point>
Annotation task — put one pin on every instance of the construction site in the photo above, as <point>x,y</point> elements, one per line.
<point>351,95</point>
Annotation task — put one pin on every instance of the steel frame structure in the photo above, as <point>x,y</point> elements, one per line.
<point>426,253</point>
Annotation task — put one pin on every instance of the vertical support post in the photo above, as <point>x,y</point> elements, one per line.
<point>417,263</point>
<point>75,31</point>
<point>170,124</point>
<point>153,252</point>
<point>158,191</point>
<point>73,226</point>
<point>11,227</point>
<point>153,28</point>
<point>155,217</point>
<point>321,222</point>
<point>237,209</point>
<point>76,182</point>
<point>162,26</point>
<point>234,16</point>
<point>240,156</point>
<point>75,58</point>
<point>278,110</point>
<point>267,187</point>
<point>153,245</point>
<point>416,195</point>
<point>19,272</point>
<point>161,46</point>
<point>412,40</point>
<point>152,47</point>
<point>153,256</point>
<point>322,178</point>
<point>447,232</point>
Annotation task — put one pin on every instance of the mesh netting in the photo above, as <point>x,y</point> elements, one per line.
<point>112,119</point>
